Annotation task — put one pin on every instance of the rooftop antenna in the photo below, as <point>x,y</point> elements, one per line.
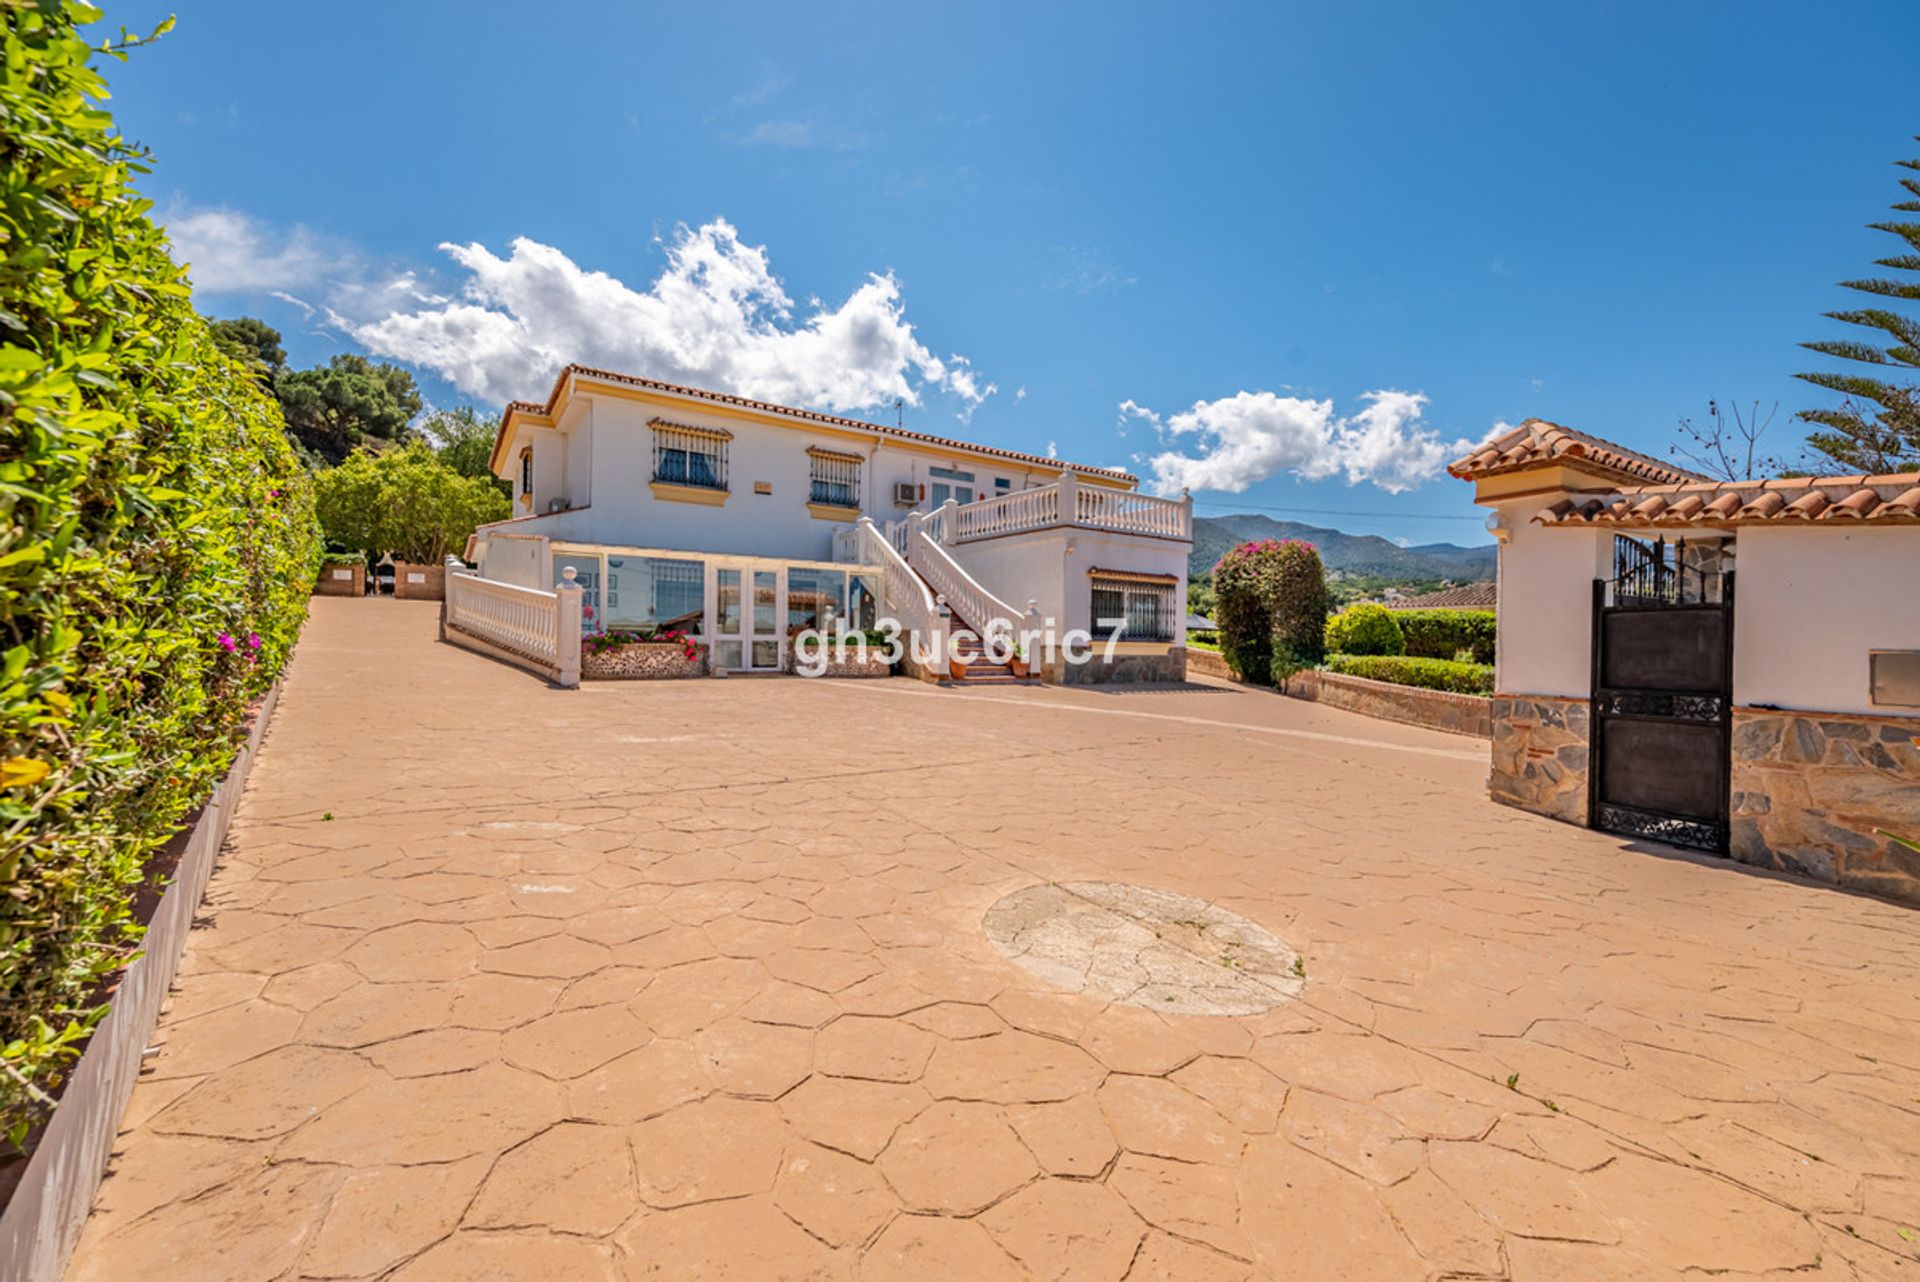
<point>900,411</point>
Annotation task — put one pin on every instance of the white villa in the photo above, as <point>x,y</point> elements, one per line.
<point>745,523</point>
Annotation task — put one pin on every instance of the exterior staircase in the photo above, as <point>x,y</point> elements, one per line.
<point>968,645</point>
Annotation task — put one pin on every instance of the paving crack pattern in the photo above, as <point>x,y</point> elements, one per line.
<point>694,980</point>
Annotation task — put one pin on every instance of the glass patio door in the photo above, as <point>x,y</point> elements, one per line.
<point>746,619</point>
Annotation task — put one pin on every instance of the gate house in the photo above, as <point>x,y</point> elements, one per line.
<point>1727,666</point>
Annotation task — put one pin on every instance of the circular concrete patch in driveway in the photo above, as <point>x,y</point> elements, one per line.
<point>1143,947</point>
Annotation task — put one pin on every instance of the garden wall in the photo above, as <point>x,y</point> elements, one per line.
<point>41,1223</point>
<point>419,582</point>
<point>1410,705</point>
<point>1540,755</point>
<point>1813,792</point>
<point>341,580</point>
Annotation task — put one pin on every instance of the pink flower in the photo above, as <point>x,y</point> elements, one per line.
<point>253,640</point>
<point>227,643</point>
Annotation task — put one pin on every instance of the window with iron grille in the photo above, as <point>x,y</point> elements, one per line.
<point>693,456</point>
<point>526,470</point>
<point>1142,608</point>
<point>835,478</point>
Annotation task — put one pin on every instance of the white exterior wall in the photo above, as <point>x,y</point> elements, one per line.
<point>1545,610</point>
<point>517,559</point>
<point>1053,568</point>
<point>1808,606</point>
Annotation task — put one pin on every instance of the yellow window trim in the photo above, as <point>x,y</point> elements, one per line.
<point>688,493</point>
<point>833,512</point>
<point>838,456</point>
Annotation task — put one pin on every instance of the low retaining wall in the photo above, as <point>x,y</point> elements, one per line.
<point>1540,755</point>
<point>1135,663</point>
<point>1410,705</point>
<point>1443,710</point>
<point>341,580</point>
<point>1812,792</point>
<point>642,661</point>
<point>41,1223</point>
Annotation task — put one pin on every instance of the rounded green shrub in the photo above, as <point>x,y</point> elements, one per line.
<point>1365,629</point>
<point>157,548</point>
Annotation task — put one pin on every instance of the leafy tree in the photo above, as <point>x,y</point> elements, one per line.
<point>403,502</point>
<point>348,402</point>
<point>463,439</point>
<point>1877,427</point>
<point>251,342</point>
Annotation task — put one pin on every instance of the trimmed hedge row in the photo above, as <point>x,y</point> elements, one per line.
<point>157,545</point>
<point>1428,674</point>
<point>1443,634</point>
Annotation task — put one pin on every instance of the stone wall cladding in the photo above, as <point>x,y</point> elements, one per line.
<point>1540,755</point>
<point>642,661</point>
<point>1410,705</point>
<point>1813,791</point>
<point>1127,669</point>
<point>847,664</point>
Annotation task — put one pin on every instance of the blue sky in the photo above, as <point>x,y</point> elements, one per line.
<point>1197,241</point>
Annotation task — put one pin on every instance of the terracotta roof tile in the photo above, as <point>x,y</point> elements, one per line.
<point>1816,500</point>
<point>789,411</point>
<point>1464,596</point>
<point>1538,443</point>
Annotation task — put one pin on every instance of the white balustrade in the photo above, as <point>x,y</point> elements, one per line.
<point>1070,502</point>
<point>962,592</point>
<point>525,623</point>
<point>908,599</point>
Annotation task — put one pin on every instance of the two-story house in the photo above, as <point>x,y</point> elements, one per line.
<point>746,522</point>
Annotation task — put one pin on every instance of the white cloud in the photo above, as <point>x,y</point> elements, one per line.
<point>228,252</point>
<point>1238,441</point>
<point>716,317</point>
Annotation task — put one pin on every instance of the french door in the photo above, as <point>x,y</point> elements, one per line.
<point>746,619</point>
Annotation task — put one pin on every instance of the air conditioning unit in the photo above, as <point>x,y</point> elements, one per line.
<point>562,504</point>
<point>906,493</point>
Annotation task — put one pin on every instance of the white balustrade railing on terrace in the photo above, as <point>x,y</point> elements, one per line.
<point>1067,502</point>
<point>1009,514</point>
<point>539,630</point>
<point>964,594</point>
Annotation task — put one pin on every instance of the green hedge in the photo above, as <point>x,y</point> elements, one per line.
<point>1429,674</point>
<point>157,547</point>
<point>1365,628</point>
<point>1444,634</point>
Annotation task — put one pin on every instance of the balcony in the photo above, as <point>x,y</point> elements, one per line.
<point>1067,503</point>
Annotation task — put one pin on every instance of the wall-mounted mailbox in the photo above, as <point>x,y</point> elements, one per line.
<point>1894,678</point>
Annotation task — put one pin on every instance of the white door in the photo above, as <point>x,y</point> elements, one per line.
<point>747,636</point>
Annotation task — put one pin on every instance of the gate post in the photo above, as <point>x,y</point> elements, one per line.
<point>566,631</point>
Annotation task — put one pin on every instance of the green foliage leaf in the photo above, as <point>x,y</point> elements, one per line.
<point>149,502</point>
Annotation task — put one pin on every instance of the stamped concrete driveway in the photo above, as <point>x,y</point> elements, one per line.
<point>689,980</point>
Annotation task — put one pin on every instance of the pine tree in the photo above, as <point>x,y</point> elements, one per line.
<point>1877,427</point>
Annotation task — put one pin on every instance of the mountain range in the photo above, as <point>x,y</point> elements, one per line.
<point>1351,553</point>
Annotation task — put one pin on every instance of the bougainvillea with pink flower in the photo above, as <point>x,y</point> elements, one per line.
<point>1271,605</point>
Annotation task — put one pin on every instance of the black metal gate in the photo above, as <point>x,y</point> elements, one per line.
<point>1662,695</point>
